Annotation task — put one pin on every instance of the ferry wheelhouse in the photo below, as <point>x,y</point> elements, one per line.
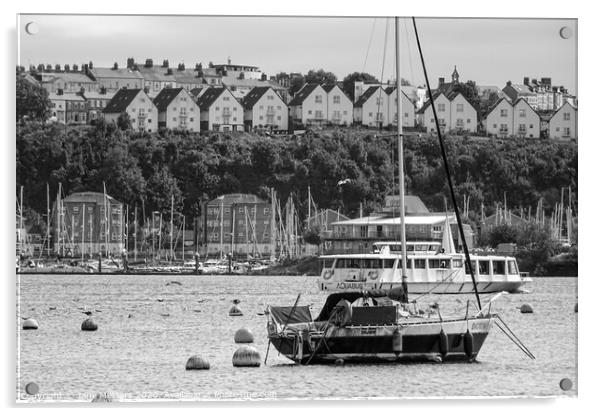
<point>429,270</point>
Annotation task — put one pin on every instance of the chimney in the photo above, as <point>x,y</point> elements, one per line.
<point>509,83</point>
<point>264,77</point>
<point>229,61</point>
<point>441,81</point>
<point>526,80</point>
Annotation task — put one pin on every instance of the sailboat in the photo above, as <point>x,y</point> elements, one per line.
<point>379,324</point>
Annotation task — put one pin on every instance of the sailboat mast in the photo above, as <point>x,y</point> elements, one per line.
<point>47,218</point>
<point>171,232</point>
<point>83,229</point>
<point>135,232</point>
<point>21,222</point>
<point>400,146</point>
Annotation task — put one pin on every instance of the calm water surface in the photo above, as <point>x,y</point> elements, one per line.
<point>141,346</point>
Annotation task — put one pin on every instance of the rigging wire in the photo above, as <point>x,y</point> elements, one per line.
<point>369,45</point>
<point>382,72</point>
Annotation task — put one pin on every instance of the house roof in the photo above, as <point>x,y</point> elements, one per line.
<point>115,73</point>
<point>121,100</point>
<point>249,101</point>
<point>391,90</point>
<point>156,73</point>
<point>560,108</point>
<point>303,94</point>
<point>97,197</point>
<point>230,199</point>
<point>69,77</point>
<point>196,91</point>
<point>449,94</point>
<point>522,89</point>
<point>366,96</point>
<point>494,106</point>
<point>190,76</point>
<point>208,98</point>
<point>94,95</point>
<point>165,97</point>
<point>66,97</point>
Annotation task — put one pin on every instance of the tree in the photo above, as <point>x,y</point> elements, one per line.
<point>320,77</point>
<point>349,82</point>
<point>165,63</point>
<point>67,67</point>
<point>124,122</point>
<point>130,63</point>
<point>32,101</point>
<point>296,84</point>
<point>148,63</point>
<point>57,68</point>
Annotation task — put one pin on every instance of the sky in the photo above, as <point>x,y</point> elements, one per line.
<point>488,51</point>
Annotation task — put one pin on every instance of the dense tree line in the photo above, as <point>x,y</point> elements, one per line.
<point>148,168</point>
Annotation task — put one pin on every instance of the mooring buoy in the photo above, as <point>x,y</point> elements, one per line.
<point>243,336</point>
<point>30,323</point>
<point>235,311</point>
<point>246,356</point>
<point>89,325</point>
<point>196,362</point>
<point>526,308</point>
<point>104,398</point>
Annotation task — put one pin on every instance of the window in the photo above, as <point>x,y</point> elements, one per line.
<point>522,128</point>
<point>191,119</point>
<point>370,115</point>
<point>504,112</point>
<point>266,211</point>
<point>566,132</point>
<point>226,98</point>
<point>459,123</point>
<point>318,99</point>
<point>174,119</point>
<point>483,266</point>
<point>440,107</point>
<point>459,108</point>
<point>309,112</point>
<point>530,126</point>
<point>467,121</point>
<point>419,263</point>
<point>336,99</point>
<point>512,269</point>
<point>318,114</point>
<point>566,116</point>
<point>498,266</point>
<point>432,120</point>
<point>522,113</point>
<point>503,128</point>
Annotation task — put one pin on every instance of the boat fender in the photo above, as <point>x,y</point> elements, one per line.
<point>327,274</point>
<point>373,275</point>
<point>468,344</point>
<point>397,341</point>
<point>443,343</point>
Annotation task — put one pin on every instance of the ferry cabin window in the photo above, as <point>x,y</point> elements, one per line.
<point>327,263</point>
<point>410,247</point>
<point>422,247</point>
<point>498,266</point>
<point>438,264</point>
<point>483,266</point>
<point>512,269</point>
<point>474,267</point>
<point>457,263</point>
<point>388,263</point>
<point>420,263</point>
<point>433,247</point>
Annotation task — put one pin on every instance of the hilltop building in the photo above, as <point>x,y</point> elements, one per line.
<point>137,105</point>
<point>220,111</point>
<point>309,106</point>
<point>264,108</point>
<point>177,110</point>
<point>516,119</point>
<point>563,123</point>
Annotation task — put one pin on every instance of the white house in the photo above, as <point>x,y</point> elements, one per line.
<point>407,107</point>
<point>499,121</point>
<point>339,107</point>
<point>563,124</point>
<point>454,113</point>
<point>177,110</point>
<point>220,111</point>
<point>264,108</point>
<point>137,105</point>
<point>518,119</point>
<point>309,105</point>
<point>527,122</point>
<point>372,108</point>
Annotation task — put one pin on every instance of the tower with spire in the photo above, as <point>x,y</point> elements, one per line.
<point>455,76</point>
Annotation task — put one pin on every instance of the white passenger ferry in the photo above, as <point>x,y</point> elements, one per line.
<point>429,270</point>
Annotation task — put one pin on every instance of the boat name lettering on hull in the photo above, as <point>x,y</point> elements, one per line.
<point>349,285</point>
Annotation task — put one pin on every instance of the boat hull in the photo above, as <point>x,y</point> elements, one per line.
<point>420,342</point>
<point>428,287</point>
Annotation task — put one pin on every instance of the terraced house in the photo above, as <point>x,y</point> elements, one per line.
<point>264,108</point>
<point>220,111</point>
<point>137,105</point>
<point>177,110</point>
<point>563,124</point>
<point>339,106</point>
<point>115,78</point>
<point>516,119</point>
<point>372,108</point>
<point>454,113</point>
<point>309,105</point>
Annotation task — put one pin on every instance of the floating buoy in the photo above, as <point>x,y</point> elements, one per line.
<point>196,362</point>
<point>526,308</point>
<point>31,388</point>
<point>468,344</point>
<point>397,342</point>
<point>235,311</point>
<point>246,356</point>
<point>243,336</point>
<point>89,325</point>
<point>576,307</point>
<point>339,361</point>
<point>30,323</point>
<point>443,343</point>
<point>103,398</point>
